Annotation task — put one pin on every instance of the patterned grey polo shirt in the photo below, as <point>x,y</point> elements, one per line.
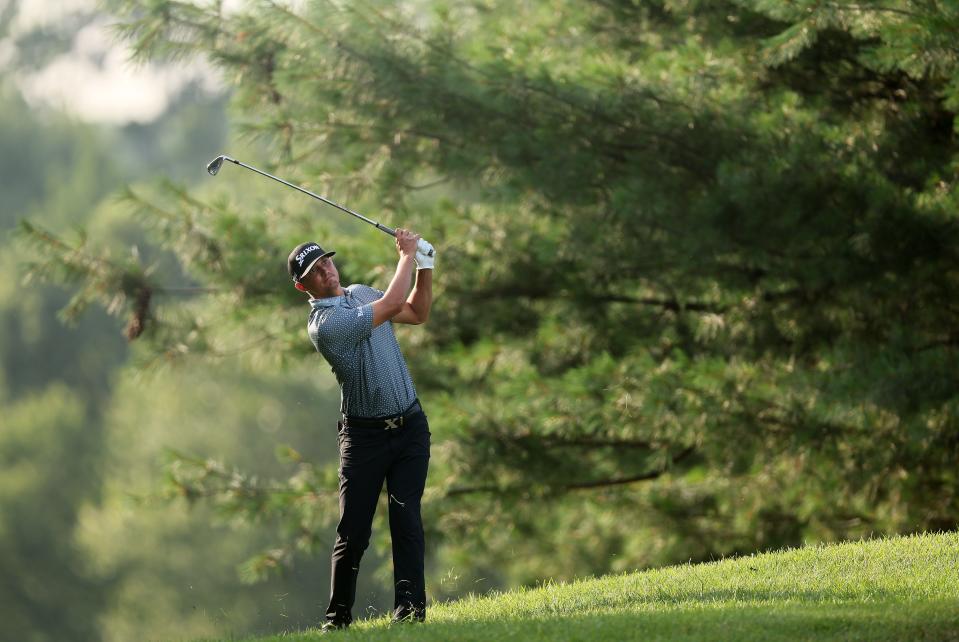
<point>367,361</point>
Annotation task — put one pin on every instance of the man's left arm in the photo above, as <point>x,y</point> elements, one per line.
<point>416,310</point>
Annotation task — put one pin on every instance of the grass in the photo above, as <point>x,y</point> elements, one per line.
<point>904,588</point>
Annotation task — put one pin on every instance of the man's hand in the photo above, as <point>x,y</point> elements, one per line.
<point>406,242</point>
<point>425,254</point>
<point>424,262</point>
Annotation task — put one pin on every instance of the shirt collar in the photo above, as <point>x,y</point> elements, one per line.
<point>330,301</point>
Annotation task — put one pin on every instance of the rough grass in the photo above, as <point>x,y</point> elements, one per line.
<point>904,588</point>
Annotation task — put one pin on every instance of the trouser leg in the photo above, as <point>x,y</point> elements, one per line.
<point>364,458</point>
<point>405,481</point>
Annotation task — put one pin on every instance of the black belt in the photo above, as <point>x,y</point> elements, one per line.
<point>383,423</point>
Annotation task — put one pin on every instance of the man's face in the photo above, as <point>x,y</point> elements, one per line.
<point>323,279</point>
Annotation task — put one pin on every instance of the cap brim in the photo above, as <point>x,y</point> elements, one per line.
<point>309,266</point>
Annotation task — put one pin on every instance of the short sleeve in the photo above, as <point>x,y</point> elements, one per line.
<point>341,326</point>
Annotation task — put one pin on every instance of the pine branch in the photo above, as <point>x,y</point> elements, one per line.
<point>564,488</point>
<point>512,292</point>
<point>870,9</point>
<point>620,481</point>
<point>100,278</point>
<point>390,128</point>
<point>589,442</point>
<point>527,84</point>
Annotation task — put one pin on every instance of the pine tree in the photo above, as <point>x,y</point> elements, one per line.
<point>694,294</point>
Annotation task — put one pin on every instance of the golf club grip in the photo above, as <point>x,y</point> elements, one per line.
<point>421,244</point>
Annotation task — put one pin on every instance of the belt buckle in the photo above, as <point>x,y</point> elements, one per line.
<point>394,423</point>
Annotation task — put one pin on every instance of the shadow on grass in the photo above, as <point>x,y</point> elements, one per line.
<point>872,621</point>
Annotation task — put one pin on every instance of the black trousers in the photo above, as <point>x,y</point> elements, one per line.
<point>368,456</point>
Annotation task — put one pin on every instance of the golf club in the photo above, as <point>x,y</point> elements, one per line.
<point>214,167</point>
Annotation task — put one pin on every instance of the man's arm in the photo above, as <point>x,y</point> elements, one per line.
<point>393,300</point>
<point>416,310</point>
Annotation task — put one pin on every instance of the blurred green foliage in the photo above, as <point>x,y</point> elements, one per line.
<point>54,384</point>
<point>46,469</point>
<point>90,546</point>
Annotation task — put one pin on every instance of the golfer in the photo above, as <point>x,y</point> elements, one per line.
<point>383,432</point>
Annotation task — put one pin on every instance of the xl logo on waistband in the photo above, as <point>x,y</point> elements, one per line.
<point>302,255</point>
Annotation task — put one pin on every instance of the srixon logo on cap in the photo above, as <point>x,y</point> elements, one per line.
<point>302,255</point>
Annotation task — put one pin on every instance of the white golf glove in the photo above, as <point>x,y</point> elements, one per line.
<point>424,255</point>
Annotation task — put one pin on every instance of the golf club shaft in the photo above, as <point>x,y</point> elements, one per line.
<point>379,226</point>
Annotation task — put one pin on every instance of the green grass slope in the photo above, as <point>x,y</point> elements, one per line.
<point>905,588</point>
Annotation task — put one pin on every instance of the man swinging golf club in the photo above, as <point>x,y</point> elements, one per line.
<point>383,433</point>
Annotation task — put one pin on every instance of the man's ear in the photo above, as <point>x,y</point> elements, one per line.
<point>299,286</point>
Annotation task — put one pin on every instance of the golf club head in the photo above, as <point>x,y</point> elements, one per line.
<point>214,166</point>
